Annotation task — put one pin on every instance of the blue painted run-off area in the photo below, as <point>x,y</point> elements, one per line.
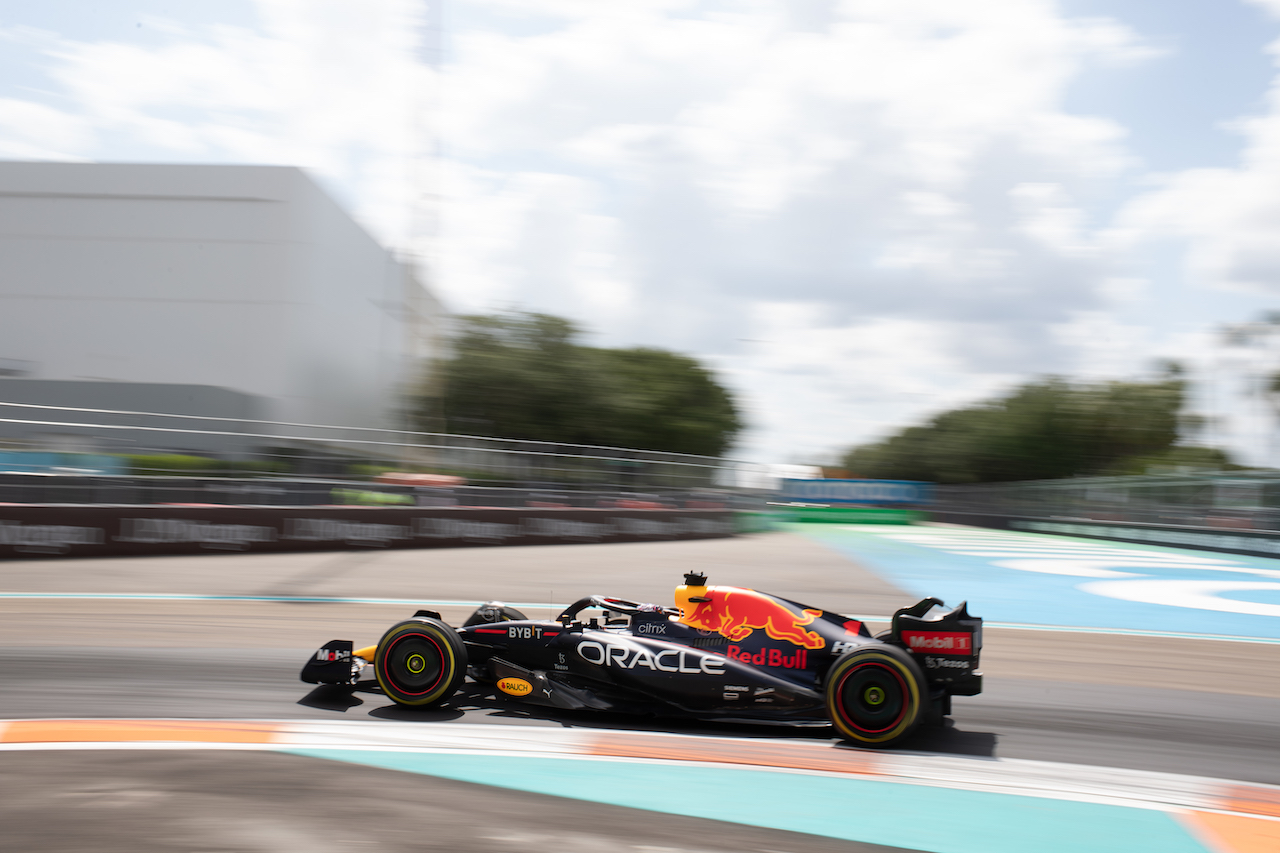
<point>1063,581</point>
<point>917,817</point>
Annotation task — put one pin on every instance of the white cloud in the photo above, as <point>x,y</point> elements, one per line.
<point>1107,348</point>
<point>1049,218</point>
<point>724,160</point>
<point>1272,6</point>
<point>37,132</point>
<point>1227,217</point>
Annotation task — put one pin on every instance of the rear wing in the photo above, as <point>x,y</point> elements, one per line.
<point>945,643</point>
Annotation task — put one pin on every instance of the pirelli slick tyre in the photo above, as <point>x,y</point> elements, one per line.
<point>876,695</point>
<point>420,663</point>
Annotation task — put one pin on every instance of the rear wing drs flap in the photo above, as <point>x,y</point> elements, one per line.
<point>946,643</point>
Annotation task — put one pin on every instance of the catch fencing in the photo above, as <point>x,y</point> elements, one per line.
<point>1232,512</point>
<point>102,482</point>
<point>58,440</point>
<point>1237,500</point>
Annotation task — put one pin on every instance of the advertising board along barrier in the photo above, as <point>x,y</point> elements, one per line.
<point>857,492</point>
<point>852,501</point>
<point>100,531</point>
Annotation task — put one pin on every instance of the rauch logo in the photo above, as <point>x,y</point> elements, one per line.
<point>515,686</point>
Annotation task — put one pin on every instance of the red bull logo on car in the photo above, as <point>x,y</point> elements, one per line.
<point>737,613</point>
<point>799,659</point>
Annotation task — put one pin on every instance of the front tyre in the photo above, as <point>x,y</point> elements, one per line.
<point>875,695</point>
<point>420,663</point>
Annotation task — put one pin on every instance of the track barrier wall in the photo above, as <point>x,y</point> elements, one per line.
<point>103,531</point>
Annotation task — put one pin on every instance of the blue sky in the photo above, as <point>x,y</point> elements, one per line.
<point>859,212</point>
<point>1178,108</point>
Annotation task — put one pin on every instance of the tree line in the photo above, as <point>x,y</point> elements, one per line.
<point>1047,429</point>
<point>524,375</point>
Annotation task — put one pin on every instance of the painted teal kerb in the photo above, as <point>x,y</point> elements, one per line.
<point>939,820</point>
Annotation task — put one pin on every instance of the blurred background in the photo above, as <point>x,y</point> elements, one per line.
<point>997,242</point>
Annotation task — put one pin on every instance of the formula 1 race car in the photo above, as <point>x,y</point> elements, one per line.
<point>722,652</point>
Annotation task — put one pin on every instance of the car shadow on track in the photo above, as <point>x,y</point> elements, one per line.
<point>331,697</point>
<point>477,702</point>
<point>952,740</point>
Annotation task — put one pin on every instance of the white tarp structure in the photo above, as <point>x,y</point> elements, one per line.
<point>247,278</point>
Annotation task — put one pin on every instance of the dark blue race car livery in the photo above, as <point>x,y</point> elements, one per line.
<point>720,652</point>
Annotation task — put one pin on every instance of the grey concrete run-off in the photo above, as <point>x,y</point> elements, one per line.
<point>782,563</point>
<point>127,801</point>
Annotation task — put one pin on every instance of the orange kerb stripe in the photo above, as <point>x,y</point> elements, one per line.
<point>1236,833</point>
<point>1250,800</point>
<point>96,731</point>
<point>790,756</point>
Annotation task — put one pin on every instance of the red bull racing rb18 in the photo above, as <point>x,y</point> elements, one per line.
<point>721,652</point>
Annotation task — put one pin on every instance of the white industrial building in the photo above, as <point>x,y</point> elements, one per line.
<point>245,278</point>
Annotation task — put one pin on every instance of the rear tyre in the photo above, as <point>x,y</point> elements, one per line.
<point>420,663</point>
<point>876,695</point>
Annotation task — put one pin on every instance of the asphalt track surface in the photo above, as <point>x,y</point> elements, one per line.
<point>1208,708</point>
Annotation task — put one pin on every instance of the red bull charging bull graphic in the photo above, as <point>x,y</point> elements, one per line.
<point>736,613</point>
